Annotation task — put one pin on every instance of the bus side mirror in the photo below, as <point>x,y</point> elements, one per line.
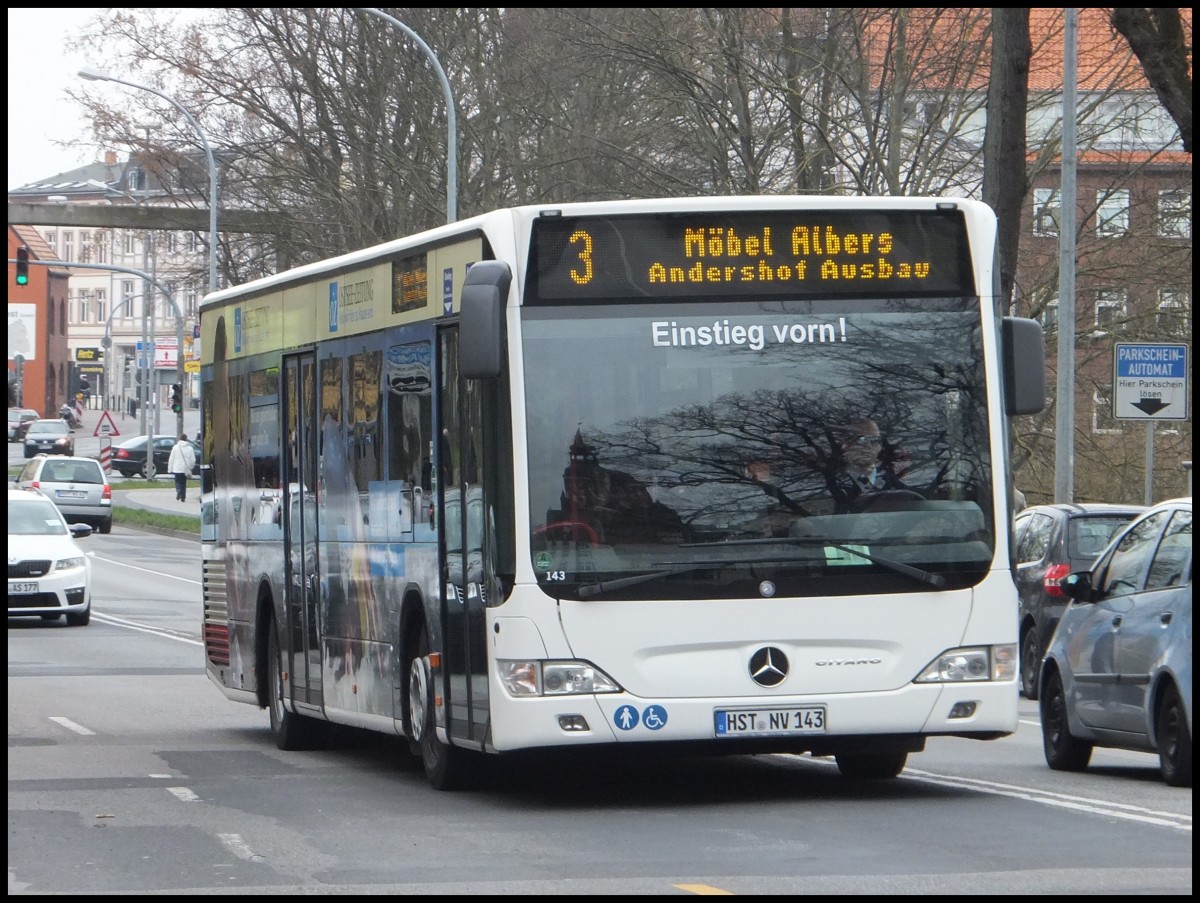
<point>1024,360</point>
<point>208,481</point>
<point>481,327</point>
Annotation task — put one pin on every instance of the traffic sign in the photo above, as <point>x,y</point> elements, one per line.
<point>1150,381</point>
<point>106,427</point>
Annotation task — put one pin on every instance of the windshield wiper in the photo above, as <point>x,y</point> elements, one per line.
<point>919,574</point>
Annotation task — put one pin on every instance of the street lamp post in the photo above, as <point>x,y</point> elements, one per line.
<point>96,75</point>
<point>451,116</point>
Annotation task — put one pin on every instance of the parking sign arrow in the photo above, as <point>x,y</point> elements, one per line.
<point>1151,406</point>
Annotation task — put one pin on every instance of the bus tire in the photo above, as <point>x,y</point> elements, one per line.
<point>291,731</point>
<point>446,767</point>
<point>871,766</point>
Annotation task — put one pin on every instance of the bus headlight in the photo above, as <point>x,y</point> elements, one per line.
<point>971,663</point>
<point>557,678</point>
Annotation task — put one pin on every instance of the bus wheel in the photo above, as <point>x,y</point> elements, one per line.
<point>871,765</point>
<point>446,767</point>
<point>291,731</point>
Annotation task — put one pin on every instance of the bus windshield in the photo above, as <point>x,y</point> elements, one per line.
<point>736,448</point>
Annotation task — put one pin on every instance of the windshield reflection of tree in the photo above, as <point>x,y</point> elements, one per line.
<point>752,463</point>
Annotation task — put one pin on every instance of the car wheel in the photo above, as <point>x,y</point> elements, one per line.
<point>106,526</point>
<point>291,731</point>
<point>446,767</point>
<point>1063,752</point>
<point>1174,740</point>
<point>79,618</point>
<point>143,471</point>
<point>1031,662</point>
<point>871,766</point>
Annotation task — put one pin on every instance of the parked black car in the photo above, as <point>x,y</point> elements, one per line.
<point>129,457</point>
<point>1053,541</point>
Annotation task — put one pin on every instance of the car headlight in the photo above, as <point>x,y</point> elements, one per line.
<point>971,663</point>
<point>65,564</point>
<point>554,678</point>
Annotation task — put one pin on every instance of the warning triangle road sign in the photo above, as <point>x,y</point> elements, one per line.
<point>106,427</point>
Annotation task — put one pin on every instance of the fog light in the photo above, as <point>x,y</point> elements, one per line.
<point>963,709</point>
<point>573,723</point>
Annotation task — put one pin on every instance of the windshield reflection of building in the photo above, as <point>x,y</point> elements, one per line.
<point>610,506</point>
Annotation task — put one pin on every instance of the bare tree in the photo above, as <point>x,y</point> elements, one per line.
<point>1004,180</point>
<point>1156,35</point>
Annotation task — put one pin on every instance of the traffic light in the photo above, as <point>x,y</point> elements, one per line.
<point>177,399</point>
<point>22,266</point>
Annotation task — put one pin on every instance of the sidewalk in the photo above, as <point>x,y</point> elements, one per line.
<point>161,501</point>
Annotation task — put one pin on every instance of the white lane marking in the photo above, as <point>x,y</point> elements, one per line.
<point>239,847</point>
<point>1061,800</point>
<point>72,726</point>
<point>184,794</point>
<point>142,628</point>
<point>147,570</point>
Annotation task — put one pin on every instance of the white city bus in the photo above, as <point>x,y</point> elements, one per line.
<point>580,474</point>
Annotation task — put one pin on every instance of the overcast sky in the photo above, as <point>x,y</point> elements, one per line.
<point>39,73</point>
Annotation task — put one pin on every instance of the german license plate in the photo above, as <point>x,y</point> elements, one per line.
<point>22,589</point>
<point>768,722</point>
<point>72,494</point>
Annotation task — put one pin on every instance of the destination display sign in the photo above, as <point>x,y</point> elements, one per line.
<point>808,253</point>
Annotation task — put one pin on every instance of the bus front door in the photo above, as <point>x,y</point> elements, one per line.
<point>461,533</point>
<point>299,512</point>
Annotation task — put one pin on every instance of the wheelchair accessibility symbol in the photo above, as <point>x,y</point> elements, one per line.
<point>653,717</point>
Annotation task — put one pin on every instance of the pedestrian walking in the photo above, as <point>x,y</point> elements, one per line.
<point>180,465</point>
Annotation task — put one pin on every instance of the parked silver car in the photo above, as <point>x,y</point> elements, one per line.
<point>1118,671</point>
<point>77,486</point>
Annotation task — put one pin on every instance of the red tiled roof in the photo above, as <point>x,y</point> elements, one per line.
<point>935,41</point>
<point>38,249</point>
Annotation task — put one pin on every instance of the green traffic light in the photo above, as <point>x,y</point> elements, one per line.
<point>22,266</point>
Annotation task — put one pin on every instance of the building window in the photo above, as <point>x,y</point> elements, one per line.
<point>52,241</point>
<point>171,242</point>
<point>101,240</point>
<point>191,303</point>
<point>68,246</point>
<point>1103,421</point>
<point>1111,310</point>
<point>131,180</point>
<point>1112,213</point>
<point>85,298</point>
<point>1046,211</point>
<point>101,299</point>
<point>85,247</point>
<point>1174,214</point>
<point>191,242</point>
<point>1173,318</point>
<point>126,299</point>
<point>127,243</point>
